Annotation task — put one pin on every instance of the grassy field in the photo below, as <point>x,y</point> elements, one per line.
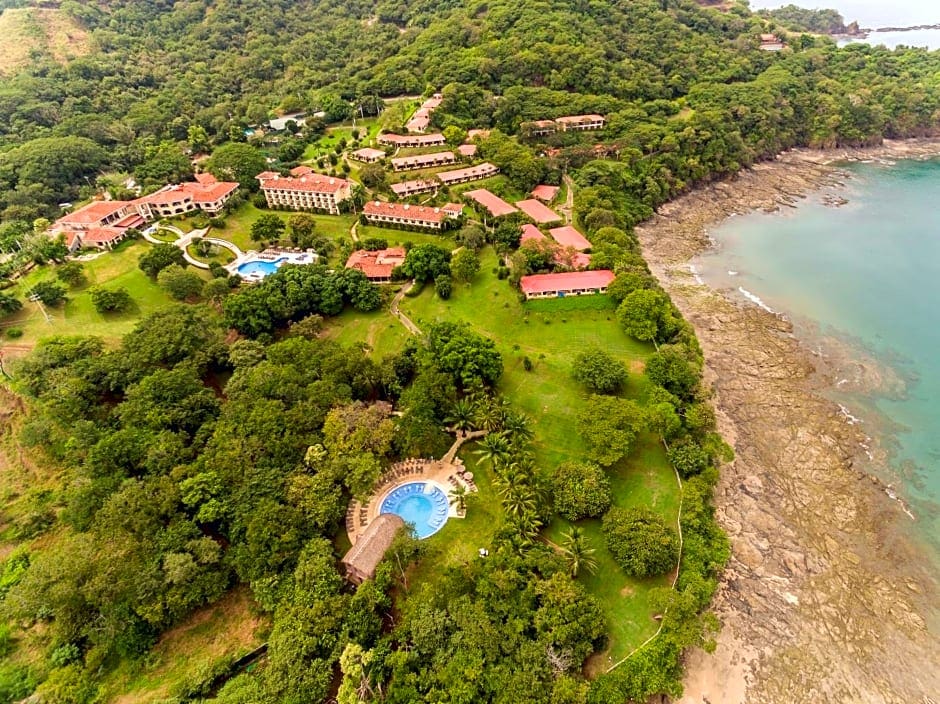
<point>238,225</point>
<point>117,269</point>
<point>379,330</point>
<point>549,335</point>
<point>368,129</point>
<point>47,31</point>
<point>184,655</point>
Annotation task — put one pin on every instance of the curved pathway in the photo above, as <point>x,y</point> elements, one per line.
<point>402,318</point>
<point>568,207</point>
<point>186,239</point>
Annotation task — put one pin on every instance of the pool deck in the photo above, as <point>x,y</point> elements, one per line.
<point>287,255</point>
<point>444,474</point>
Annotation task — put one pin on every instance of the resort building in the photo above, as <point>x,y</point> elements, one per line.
<point>545,193</point>
<point>567,236</point>
<point>413,140</point>
<point>420,121</point>
<point>471,173</point>
<point>530,233</point>
<point>539,128</point>
<point>363,557</point>
<point>102,224</point>
<point>412,188</point>
<point>368,155</point>
<point>467,150</point>
<point>407,215</point>
<point>279,124</point>
<point>491,202</point>
<point>573,283</point>
<point>377,265</point>
<point>770,42</point>
<point>577,123</point>
<point>570,258</point>
<point>423,161</point>
<point>311,192</point>
<point>473,134</point>
<point>538,212</point>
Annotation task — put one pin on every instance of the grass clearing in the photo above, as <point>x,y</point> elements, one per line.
<point>379,330</point>
<point>116,269</point>
<point>223,631</point>
<point>51,32</point>
<point>238,224</point>
<point>548,333</point>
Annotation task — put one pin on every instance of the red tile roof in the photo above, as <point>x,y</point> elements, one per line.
<point>167,195</point>
<point>206,178</point>
<point>405,210</point>
<point>545,193</point>
<point>378,264</point>
<point>492,202</point>
<point>301,170</point>
<point>408,186</point>
<point>454,209</point>
<point>369,153</point>
<point>422,159</point>
<point>467,149</point>
<point>530,233</point>
<point>570,258</point>
<point>567,236</point>
<point>568,281</point>
<point>102,235</point>
<point>538,212</point>
<point>312,183</point>
<point>419,139</point>
<point>93,212</point>
<point>210,193</point>
<point>480,171</point>
<point>579,119</point>
<point>482,134</point>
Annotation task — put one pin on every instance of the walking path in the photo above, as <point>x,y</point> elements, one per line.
<point>402,318</point>
<point>186,239</point>
<point>568,208</point>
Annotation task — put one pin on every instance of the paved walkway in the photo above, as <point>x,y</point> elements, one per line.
<point>186,238</point>
<point>568,208</point>
<point>402,318</point>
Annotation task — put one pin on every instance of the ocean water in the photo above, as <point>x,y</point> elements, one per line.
<point>866,273</point>
<point>880,13</point>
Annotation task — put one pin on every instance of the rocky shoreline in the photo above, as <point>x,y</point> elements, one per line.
<point>824,599</point>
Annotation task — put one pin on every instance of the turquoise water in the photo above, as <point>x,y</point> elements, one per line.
<point>423,506</point>
<point>259,266</point>
<point>868,274</point>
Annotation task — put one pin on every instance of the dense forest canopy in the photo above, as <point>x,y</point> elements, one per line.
<point>219,445</point>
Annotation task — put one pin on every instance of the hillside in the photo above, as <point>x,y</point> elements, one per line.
<point>46,32</point>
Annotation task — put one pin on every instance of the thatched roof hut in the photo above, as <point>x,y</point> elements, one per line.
<point>365,555</point>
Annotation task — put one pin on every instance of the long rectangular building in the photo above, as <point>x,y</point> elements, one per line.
<point>310,192</point>
<point>573,283</point>
<point>471,173</point>
<point>413,140</point>
<point>567,236</point>
<point>425,217</point>
<point>494,205</point>
<point>539,213</point>
<point>423,161</point>
<point>413,188</point>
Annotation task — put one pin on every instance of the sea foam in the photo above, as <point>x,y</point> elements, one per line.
<point>755,300</point>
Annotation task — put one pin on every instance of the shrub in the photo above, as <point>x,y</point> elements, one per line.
<point>180,283</point>
<point>443,286</point>
<point>688,457</point>
<point>581,490</point>
<point>14,333</point>
<point>49,292</point>
<point>640,541</point>
<point>72,273</point>
<point>110,300</point>
<point>599,371</point>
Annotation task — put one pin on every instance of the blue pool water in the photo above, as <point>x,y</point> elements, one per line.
<point>422,505</point>
<point>259,266</point>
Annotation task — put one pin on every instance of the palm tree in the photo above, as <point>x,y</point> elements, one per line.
<point>517,426</point>
<point>577,552</point>
<point>461,415</point>
<point>458,497</point>
<point>495,448</point>
<point>518,501</point>
<point>489,416</point>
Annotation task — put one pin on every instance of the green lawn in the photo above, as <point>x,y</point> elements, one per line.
<point>368,129</point>
<point>238,225</point>
<point>379,330</point>
<point>549,333</point>
<point>218,254</point>
<point>117,269</point>
<point>399,237</point>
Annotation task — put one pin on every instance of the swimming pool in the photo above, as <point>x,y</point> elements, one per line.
<point>421,504</point>
<point>260,267</point>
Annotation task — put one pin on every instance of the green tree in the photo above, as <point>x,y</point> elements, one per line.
<point>608,426</point>
<point>578,553</point>
<point>9,304</point>
<point>454,135</point>
<point>425,262</point>
<point>302,226</point>
<point>72,273</point>
<point>469,358</point>
<point>159,257</point>
<point>180,283</point>
<point>640,541</point>
<point>237,162</point>
<point>688,457</point>
<point>443,286</point>
<point>373,176</point>
<point>267,228</point>
<point>114,300</point>
<point>645,314</point>
<point>465,265</point>
<point>599,371</point>
<point>49,292</point>
<point>580,490</point>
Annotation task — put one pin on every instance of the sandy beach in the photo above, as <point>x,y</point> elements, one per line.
<point>824,599</point>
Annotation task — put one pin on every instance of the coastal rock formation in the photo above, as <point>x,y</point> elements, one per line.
<point>824,599</point>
